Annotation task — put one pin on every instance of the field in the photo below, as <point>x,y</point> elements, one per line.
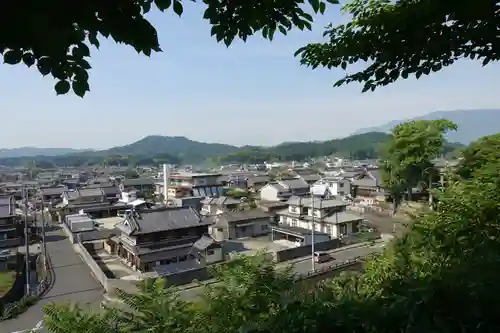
<point>6,281</point>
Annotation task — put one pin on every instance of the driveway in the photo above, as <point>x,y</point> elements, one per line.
<point>304,265</point>
<point>72,282</point>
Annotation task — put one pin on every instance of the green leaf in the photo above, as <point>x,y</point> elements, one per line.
<point>93,39</point>
<point>178,9</point>
<point>322,7</point>
<point>163,4</point>
<point>12,57</point>
<point>44,66</point>
<point>28,59</point>
<point>80,87</point>
<point>282,29</point>
<point>315,5</point>
<point>62,87</point>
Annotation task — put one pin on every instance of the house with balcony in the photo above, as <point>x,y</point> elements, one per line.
<point>282,190</point>
<point>219,205</point>
<point>200,184</point>
<point>335,185</point>
<point>158,237</point>
<point>240,224</point>
<point>98,202</point>
<point>326,216</point>
<point>9,228</point>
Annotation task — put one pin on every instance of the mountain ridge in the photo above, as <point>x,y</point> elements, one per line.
<point>472,124</point>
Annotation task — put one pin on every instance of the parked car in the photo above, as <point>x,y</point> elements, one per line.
<point>321,257</point>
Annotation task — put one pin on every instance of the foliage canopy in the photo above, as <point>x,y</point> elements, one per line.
<point>407,161</point>
<point>59,35</point>
<point>398,39</point>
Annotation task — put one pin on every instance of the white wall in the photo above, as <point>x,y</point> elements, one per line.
<point>215,257</point>
<point>268,193</point>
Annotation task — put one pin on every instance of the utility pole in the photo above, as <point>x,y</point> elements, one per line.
<point>44,247</point>
<point>26,240</point>
<point>313,263</point>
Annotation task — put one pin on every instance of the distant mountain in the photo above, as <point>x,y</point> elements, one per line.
<point>33,151</point>
<point>472,124</point>
<point>151,150</point>
<point>172,145</point>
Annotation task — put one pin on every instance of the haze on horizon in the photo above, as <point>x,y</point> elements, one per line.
<point>254,93</point>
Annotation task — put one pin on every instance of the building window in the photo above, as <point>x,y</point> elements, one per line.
<point>343,229</point>
<point>210,252</point>
<point>264,227</point>
<point>328,229</point>
<point>341,184</point>
<point>294,222</point>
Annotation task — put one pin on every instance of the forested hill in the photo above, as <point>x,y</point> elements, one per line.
<point>361,146</point>
<point>154,150</point>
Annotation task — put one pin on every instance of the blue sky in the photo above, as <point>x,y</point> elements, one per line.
<point>253,93</point>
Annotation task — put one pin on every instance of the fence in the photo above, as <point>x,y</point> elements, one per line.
<point>15,308</point>
<point>301,251</point>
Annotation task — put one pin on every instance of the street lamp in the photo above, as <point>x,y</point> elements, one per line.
<point>313,263</point>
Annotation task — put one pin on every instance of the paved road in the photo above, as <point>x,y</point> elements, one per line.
<point>304,265</point>
<point>73,282</point>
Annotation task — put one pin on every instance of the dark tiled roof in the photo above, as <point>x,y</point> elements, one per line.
<point>243,215</point>
<point>150,221</point>
<point>139,181</point>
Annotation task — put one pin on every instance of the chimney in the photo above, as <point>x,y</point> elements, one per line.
<point>165,183</point>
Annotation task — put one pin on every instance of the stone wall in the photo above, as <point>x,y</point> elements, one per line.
<point>302,251</point>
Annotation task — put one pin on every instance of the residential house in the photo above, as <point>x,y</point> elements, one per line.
<point>256,183</point>
<point>218,205</point>
<point>145,186</point>
<point>194,202</point>
<point>329,216</point>
<point>9,229</point>
<point>158,237</point>
<point>206,250</point>
<point>368,184</point>
<point>284,189</point>
<point>240,224</point>
<point>99,202</point>
<point>337,186</point>
<point>201,184</point>
<point>51,194</point>
<point>72,183</point>
<point>309,178</point>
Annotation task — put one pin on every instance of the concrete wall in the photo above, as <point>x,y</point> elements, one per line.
<point>88,236</point>
<point>302,251</point>
<point>94,267</point>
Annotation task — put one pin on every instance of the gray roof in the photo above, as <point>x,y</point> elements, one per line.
<point>139,181</point>
<point>157,220</point>
<point>294,184</point>
<point>310,177</point>
<point>243,215</point>
<point>110,190</point>
<point>221,201</point>
<point>53,190</point>
<point>84,192</point>
<point>204,243</point>
<point>308,202</point>
<point>258,179</point>
<point>99,185</point>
